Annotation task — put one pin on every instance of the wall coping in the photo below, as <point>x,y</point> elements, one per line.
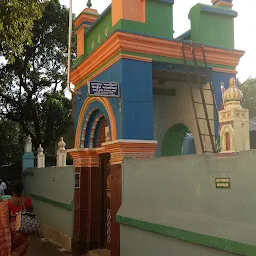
<point>191,237</point>
<point>31,171</point>
<point>150,47</point>
<point>119,149</point>
<point>129,141</point>
<point>89,150</point>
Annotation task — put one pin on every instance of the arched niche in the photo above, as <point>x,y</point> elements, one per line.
<point>178,141</point>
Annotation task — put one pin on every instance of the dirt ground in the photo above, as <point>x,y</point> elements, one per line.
<point>40,247</point>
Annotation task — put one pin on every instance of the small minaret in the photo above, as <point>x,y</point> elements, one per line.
<point>61,153</point>
<point>233,122</point>
<point>83,21</point>
<point>28,157</point>
<point>40,157</point>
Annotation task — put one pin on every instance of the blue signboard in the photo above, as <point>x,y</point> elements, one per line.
<point>103,89</point>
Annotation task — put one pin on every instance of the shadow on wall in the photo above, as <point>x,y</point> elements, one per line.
<point>253,139</point>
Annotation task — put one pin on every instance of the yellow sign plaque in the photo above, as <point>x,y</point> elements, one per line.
<point>223,183</point>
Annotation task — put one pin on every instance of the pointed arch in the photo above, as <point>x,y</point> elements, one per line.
<point>227,132</point>
<point>227,141</point>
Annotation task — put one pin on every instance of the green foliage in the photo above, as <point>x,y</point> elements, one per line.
<point>11,142</point>
<point>55,118</point>
<point>249,100</point>
<point>32,86</point>
<point>17,18</point>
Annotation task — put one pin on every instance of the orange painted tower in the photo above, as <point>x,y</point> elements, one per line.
<point>133,10</point>
<point>82,23</point>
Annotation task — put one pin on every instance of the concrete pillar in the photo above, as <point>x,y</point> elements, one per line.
<point>119,150</point>
<point>28,158</point>
<point>40,157</point>
<point>86,200</point>
<point>61,154</point>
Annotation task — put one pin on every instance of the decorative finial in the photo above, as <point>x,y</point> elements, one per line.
<point>40,157</point>
<point>89,4</point>
<point>61,153</point>
<point>232,82</point>
<point>40,149</point>
<point>232,96</point>
<point>61,143</point>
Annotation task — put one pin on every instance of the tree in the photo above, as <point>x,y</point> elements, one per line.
<point>249,90</point>
<point>11,142</point>
<point>16,22</point>
<point>32,86</point>
<point>56,118</point>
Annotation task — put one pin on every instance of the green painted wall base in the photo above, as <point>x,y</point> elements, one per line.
<point>191,237</point>
<point>68,207</point>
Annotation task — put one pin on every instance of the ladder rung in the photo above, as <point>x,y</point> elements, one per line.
<point>206,135</point>
<point>198,88</point>
<point>192,44</point>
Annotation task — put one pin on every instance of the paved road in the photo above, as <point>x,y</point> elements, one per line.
<point>38,247</point>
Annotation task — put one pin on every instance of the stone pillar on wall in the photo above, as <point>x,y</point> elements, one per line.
<point>233,122</point>
<point>61,153</point>
<point>40,157</point>
<point>28,157</point>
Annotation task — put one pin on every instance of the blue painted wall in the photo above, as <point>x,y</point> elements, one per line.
<point>217,79</point>
<point>137,100</point>
<point>78,102</point>
<point>113,73</point>
<point>134,119</point>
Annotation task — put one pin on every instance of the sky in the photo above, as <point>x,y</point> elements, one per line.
<point>244,26</point>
